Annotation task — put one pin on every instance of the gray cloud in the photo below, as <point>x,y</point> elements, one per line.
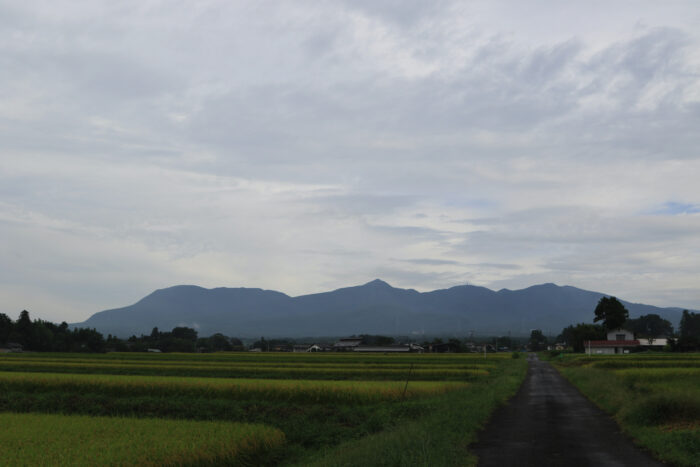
<point>304,146</point>
<point>429,261</point>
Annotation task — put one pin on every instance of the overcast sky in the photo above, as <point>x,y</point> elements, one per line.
<point>309,145</point>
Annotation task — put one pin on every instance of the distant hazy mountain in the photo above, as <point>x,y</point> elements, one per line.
<point>373,308</point>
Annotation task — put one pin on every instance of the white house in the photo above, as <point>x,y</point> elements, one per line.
<point>619,341</point>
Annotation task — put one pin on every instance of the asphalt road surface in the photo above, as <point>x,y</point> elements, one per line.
<point>549,423</point>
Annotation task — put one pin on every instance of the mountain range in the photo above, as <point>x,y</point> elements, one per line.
<point>372,308</point>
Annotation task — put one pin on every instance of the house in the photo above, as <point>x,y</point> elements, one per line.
<point>400,348</point>
<point>618,341</point>
<point>347,344</point>
<point>443,347</point>
<point>654,343</point>
<point>11,347</point>
<point>297,348</point>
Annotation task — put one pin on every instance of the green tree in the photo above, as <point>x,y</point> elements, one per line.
<point>215,343</point>
<point>649,326</point>
<point>690,324</point>
<point>23,328</point>
<point>237,344</point>
<point>537,340</point>
<point>6,326</point>
<point>689,331</point>
<point>184,333</point>
<point>611,312</point>
<point>575,336</point>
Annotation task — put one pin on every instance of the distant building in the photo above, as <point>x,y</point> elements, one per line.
<point>347,344</point>
<point>653,343</point>
<point>11,347</point>
<point>619,341</point>
<point>298,348</point>
<point>400,348</point>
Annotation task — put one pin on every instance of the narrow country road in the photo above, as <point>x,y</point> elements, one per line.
<point>549,423</point>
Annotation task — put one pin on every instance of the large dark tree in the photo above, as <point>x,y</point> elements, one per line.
<point>611,312</point>
<point>6,326</point>
<point>537,340</point>
<point>689,331</point>
<point>23,327</point>
<point>650,326</point>
<point>690,324</point>
<point>575,336</point>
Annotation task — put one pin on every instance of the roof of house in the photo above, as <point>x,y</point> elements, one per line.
<point>349,342</point>
<point>382,348</point>
<point>632,343</point>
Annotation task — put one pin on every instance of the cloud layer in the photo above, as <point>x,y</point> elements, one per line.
<point>304,146</point>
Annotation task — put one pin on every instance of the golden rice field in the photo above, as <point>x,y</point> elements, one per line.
<point>40,439</point>
<point>233,370</point>
<point>239,408</point>
<point>236,389</point>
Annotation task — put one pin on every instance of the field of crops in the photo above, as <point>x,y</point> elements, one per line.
<point>654,397</point>
<point>248,409</point>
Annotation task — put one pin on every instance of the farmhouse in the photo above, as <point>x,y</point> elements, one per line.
<point>389,348</point>
<point>306,348</point>
<point>347,344</point>
<point>654,343</point>
<point>619,341</point>
<point>11,347</point>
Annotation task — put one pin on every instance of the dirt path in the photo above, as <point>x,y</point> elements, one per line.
<point>549,423</point>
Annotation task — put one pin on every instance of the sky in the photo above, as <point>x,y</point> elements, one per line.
<point>310,145</point>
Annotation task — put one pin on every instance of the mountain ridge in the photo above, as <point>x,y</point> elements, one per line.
<point>375,307</point>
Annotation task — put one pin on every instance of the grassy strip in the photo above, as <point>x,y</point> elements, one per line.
<point>661,415</point>
<point>441,436</point>
<point>339,372</point>
<point>640,360</point>
<point>309,391</point>
<point>39,439</point>
<point>274,365</point>
<point>276,357</point>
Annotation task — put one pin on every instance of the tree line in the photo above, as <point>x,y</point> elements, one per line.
<point>45,336</point>
<point>612,314</point>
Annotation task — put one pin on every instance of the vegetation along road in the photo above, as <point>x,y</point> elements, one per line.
<point>549,423</point>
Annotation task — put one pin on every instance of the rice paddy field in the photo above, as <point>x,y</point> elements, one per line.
<point>249,408</point>
<point>654,397</point>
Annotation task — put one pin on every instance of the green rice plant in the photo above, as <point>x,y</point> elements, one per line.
<point>318,401</point>
<point>39,439</point>
<point>441,437</point>
<point>320,357</point>
<point>219,364</point>
<point>309,391</point>
<point>657,405</point>
<point>630,360</point>
<point>662,408</point>
<point>250,371</point>
<point>636,363</point>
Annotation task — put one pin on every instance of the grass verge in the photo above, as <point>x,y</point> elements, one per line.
<point>441,436</point>
<point>658,408</point>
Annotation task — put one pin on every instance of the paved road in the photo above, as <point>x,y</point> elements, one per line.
<point>549,423</point>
